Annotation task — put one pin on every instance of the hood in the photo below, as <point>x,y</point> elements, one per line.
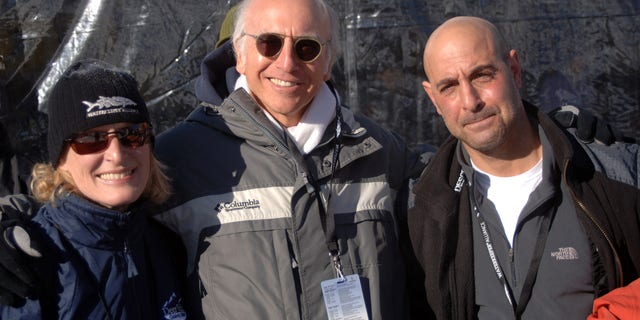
<point>211,85</point>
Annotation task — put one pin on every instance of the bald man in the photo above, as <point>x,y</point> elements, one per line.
<point>511,220</point>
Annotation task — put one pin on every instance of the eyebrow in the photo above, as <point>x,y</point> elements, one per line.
<point>474,72</point>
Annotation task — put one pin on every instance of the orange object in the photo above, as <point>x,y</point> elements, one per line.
<point>621,303</point>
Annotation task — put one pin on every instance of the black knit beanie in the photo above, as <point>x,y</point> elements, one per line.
<point>91,94</point>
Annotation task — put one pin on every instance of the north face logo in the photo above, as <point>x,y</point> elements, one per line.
<point>106,105</point>
<point>568,253</point>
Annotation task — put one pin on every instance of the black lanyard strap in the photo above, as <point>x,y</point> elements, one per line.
<point>326,216</point>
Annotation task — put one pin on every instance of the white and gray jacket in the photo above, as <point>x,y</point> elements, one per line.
<point>245,205</point>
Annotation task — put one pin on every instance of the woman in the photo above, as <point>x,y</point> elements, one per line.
<point>104,258</point>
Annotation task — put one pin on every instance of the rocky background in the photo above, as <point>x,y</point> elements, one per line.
<point>581,52</point>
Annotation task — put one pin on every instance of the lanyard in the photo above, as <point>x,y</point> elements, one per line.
<point>538,251</point>
<point>327,218</point>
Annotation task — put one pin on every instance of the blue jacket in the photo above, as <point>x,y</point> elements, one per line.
<point>98,259</point>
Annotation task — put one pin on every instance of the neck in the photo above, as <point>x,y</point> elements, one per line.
<point>287,121</point>
<point>519,153</point>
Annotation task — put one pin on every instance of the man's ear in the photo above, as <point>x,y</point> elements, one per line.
<point>327,74</point>
<point>327,70</point>
<point>427,88</point>
<point>515,67</point>
<point>240,59</point>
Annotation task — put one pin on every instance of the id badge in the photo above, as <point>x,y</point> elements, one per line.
<point>344,299</point>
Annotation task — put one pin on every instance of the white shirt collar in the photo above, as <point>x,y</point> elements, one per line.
<point>309,131</point>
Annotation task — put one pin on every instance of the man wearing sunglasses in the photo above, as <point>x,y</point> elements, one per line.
<point>286,201</point>
<point>278,188</point>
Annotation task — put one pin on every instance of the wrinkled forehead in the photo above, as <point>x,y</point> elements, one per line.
<point>288,17</point>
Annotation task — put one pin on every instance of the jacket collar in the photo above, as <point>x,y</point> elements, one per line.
<point>569,154</point>
<point>92,225</point>
<point>445,168</point>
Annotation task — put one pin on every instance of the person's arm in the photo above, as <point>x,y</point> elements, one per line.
<point>17,279</point>
<point>587,127</point>
<point>621,303</point>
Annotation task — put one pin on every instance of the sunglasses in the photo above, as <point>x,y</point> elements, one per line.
<point>97,141</point>
<point>269,45</point>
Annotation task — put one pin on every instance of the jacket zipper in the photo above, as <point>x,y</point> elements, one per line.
<point>598,226</point>
<point>512,265</point>
<point>303,301</point>
<point>294,239</point>
<point>132,271</point>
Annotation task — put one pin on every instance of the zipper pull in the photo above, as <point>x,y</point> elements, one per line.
<point>132,271</point>
<point>310,188</point>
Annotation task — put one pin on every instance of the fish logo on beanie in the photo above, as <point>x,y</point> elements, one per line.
<point>91,94</point>
<point>112,104</point>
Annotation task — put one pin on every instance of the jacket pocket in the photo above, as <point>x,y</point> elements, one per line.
<point>240,267</point>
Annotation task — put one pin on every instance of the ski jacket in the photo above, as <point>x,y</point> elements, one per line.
<point>103,264</point>
<point>255,214</point>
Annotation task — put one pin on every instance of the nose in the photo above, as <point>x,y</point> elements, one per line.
<point>115,149</point>
<point>471,100</point>
<point>287,59</point>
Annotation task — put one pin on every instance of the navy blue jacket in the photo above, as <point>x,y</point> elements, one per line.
<point>98,259</point>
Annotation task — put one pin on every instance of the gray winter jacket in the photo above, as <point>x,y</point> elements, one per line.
<point>246,206</point>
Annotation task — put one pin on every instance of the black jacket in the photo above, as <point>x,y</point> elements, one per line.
<point>440,224</point>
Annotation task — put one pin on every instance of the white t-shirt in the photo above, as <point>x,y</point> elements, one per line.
<point>509,194</point>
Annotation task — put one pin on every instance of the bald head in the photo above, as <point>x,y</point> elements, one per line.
<point>464,29</point>
<point>474,82</point>
<point>251,10</point>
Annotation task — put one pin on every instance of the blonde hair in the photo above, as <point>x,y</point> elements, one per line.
<point>47,183</point>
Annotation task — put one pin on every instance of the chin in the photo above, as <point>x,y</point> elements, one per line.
<point>121,201</point>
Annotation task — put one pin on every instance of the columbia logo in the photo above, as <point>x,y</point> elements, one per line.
<point>106,105</point>
<point>568,253</point>
<point>237,205</point>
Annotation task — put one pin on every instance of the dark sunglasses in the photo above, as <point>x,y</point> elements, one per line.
<point>96,141</point>
<point>269,45</point>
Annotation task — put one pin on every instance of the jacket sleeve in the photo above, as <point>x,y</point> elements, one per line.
<point>414,274</point>
<point>20,206</point>
<point>30,310</point>
<point>621,303</point>
<point>618,161</point>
